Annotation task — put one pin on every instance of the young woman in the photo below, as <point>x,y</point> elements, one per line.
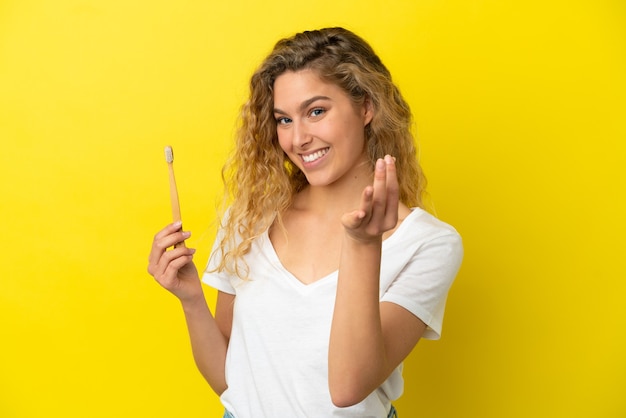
<point>328,270</point>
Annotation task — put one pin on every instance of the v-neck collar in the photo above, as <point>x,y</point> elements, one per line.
<point>270,251</point>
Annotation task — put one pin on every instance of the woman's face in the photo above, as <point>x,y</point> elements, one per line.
<point>319,127</point>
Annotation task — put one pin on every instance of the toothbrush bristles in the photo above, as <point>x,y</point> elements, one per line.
<point>169,154</point>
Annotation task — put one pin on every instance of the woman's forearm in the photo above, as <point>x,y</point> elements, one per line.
<point>357,358</point>
<point>208,344</point>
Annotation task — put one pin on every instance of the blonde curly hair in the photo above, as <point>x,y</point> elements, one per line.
<point>261,182</point>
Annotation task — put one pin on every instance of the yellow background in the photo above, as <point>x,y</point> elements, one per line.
<point>520,110</point>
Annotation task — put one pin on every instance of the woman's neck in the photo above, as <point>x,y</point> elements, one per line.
<point>336,198</point>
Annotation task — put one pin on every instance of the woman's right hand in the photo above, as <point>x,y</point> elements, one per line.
<point>174,268</point>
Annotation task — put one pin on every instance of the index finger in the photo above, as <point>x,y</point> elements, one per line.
<point>379,196</point>
<point>393,189</point>
<point>157,252</point>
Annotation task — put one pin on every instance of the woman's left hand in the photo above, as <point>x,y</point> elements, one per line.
<point>378,212</point>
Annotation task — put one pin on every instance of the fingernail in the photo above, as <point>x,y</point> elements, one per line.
<point>177,224</point>
<point>380,164</point>
<point>186,234</point>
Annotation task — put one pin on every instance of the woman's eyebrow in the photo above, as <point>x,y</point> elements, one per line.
<point>304,104</point>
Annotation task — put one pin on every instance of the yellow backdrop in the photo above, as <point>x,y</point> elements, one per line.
<point>520,110</point>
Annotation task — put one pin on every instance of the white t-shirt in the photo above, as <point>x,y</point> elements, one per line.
<point>277,360</point>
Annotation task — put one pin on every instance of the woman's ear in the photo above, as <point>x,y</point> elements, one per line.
<point>368,111</point>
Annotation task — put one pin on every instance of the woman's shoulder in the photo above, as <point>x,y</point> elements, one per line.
<point>420,225</point>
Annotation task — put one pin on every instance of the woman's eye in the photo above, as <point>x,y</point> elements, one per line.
<point>282,120</point>
<point>318,111</point>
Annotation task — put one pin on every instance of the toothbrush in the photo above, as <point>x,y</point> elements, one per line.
<point>169,158</point>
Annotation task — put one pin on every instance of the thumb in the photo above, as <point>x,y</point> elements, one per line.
<point>353,220</point>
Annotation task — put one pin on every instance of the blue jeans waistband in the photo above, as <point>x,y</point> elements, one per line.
<point>392,413</point>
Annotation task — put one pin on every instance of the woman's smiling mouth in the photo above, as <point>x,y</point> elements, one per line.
<point>309,158</point>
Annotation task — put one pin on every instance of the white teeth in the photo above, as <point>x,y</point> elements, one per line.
<point>315,156</point>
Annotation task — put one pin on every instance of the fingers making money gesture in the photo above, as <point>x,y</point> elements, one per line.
<point>378,211</point>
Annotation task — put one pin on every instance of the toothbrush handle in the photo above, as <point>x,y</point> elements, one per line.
<point>174,200</point>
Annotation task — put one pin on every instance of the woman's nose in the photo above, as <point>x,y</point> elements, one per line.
<point>301,135</point>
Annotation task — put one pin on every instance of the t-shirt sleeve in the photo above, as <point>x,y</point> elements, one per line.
<point>218,280</point>
<point>422,283</point>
